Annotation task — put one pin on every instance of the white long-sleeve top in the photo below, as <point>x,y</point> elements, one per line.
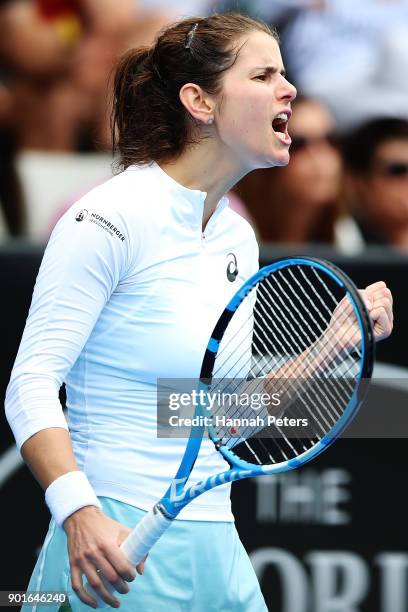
<point>129,291</point>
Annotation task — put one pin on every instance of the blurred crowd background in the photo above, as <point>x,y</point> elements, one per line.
<point>347,182</point>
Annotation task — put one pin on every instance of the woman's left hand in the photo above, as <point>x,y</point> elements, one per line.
<point>378,300</point>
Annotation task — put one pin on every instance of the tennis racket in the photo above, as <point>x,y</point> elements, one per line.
<point>298,332</point>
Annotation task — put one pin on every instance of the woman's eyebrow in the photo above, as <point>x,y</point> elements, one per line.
<point>270,69</point>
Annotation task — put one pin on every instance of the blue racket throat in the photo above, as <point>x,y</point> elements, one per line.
<point>288,363</point>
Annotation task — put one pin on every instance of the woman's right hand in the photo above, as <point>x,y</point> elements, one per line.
<point>94,551</point>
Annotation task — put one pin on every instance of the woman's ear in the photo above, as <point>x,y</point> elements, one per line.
<point>197,103</point>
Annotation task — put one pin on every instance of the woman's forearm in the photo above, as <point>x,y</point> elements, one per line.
<point>49,455</point>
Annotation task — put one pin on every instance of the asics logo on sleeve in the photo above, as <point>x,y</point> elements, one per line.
<point>232,268</point>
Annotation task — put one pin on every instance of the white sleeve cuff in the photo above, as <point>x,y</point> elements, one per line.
<point>69,493</point>
<point>32,404</point>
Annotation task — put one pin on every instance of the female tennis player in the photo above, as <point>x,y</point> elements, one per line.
<point>133,279</point>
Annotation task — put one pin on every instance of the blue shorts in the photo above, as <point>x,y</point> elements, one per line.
<point>197,566</point>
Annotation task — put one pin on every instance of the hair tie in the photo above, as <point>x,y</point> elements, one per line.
<point>190,36</point>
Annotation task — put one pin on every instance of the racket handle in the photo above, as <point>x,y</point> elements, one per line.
<point>137,544</point>
<point>145,535</point>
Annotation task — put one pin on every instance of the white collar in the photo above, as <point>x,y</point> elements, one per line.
<point>190,201</point>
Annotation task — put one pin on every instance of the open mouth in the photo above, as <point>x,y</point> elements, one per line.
<point>280,127</point>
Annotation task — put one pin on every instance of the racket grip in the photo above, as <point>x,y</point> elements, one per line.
<point>145,535</point>
<point>137,544</point>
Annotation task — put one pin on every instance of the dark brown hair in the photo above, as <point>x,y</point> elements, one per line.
<point>149,122</point>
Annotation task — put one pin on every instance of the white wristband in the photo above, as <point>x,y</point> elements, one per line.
<point>69,493</point>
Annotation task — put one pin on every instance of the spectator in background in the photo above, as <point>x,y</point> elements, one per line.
<point>301,202</point>
<point>153,15</point>
<point>376,159</point>
<point>43,102</point>
<point>11,200</point>
<point>59,55</point>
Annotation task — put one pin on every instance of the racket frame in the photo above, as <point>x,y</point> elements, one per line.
<point>239,468</point>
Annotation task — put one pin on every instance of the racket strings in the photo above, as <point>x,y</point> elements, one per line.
<point>226,344</point>
<point>243,433</point>
<point>240,340</point>
<point>239,410</point>
<point>297,346</point>
<point>308,341</point>
<point>321,283</point>
<point>277,339</point>
<point>325,374</point>
<point>302,345</point>
<point>299,343</point>
<point>246,365</point>
<point>308,311</point>
<point>288,384</point>
<point>233,366</point>
<point>262,383</point>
